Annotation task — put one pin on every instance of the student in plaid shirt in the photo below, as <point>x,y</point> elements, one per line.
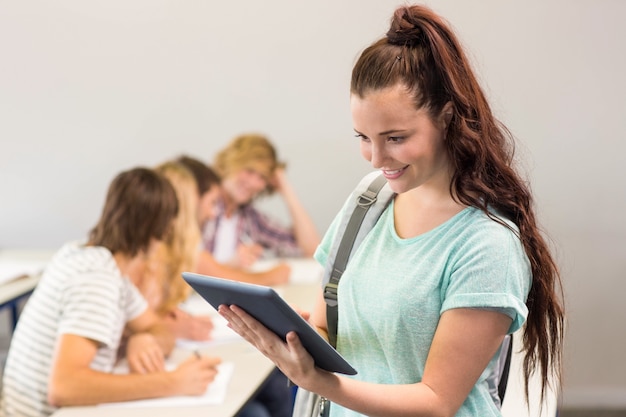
<point>241,234</point>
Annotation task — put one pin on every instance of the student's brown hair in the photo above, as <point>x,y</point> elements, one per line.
<point>204,175</point>
<point>140,206</point>
<point>421,53</point>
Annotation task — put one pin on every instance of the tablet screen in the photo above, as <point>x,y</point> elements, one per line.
<point>269,308</point>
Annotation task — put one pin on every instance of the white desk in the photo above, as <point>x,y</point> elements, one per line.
<point>25,265</point>
<point>251,369</point>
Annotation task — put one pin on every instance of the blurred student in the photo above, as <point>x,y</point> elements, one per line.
<point>210,194</point>
<point>274,397</point>
<point>162,284</point>
<point>65,344</point>
<point>240,233</point>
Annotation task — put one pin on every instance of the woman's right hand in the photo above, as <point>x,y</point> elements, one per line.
<point>290,357</point>
<point>194,375</point>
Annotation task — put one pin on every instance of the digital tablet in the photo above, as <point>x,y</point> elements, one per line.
<point>269,308</point>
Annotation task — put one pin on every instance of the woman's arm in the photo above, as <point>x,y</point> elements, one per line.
<point>465,341</point>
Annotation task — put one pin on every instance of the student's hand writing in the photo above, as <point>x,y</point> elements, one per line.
<point>248,253</point>
<point>194,375</point>
<point>290,357</point>
<point>144,355</point>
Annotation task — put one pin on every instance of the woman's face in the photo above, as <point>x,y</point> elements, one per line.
<point>244,185</point>
<point>405,143</point>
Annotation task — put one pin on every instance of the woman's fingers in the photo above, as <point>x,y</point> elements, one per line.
<point>252,330</point>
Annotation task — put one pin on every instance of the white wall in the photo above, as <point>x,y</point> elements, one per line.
<point>88,88</point>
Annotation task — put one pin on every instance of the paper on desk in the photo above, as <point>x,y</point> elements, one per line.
<point>11,269</point>
<point>215,394</point>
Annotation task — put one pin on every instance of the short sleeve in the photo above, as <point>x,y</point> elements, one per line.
<point>97,305</point>
<point>270,233</point>
<point>490,271</point>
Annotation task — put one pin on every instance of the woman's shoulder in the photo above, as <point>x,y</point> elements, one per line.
<point>487,228</point>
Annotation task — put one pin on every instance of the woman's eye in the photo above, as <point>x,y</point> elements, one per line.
<point>362,137</point>
<point>395,138</point>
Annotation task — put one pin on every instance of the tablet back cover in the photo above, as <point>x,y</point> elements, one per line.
<point>269,308</point>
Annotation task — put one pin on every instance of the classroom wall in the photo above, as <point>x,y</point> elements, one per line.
<point>90,88</point>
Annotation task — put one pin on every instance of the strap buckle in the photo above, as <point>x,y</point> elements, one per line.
<point>330,291</point>
<point>324,407</point>
<point>366,199</point>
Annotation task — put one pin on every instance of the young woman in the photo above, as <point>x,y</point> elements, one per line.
<point>455,262</point>
<point>66,342</point>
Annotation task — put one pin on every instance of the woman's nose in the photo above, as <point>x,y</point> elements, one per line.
<point>377,156</point>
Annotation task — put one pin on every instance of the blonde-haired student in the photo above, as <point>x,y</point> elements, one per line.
<point>240,234</point>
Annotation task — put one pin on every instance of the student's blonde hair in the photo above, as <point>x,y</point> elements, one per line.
<point>178,252</point>
<point>248,151</point>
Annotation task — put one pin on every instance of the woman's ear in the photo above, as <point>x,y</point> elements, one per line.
<point>446,115</point>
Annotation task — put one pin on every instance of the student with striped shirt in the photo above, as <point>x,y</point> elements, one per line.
<point>65,344</point>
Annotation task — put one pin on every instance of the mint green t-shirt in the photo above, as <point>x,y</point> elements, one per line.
<point>394,291</point>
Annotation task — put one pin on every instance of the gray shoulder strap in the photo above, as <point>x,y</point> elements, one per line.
<point>368,201</point>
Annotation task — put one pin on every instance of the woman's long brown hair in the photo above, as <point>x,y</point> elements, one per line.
<point>421,52</point>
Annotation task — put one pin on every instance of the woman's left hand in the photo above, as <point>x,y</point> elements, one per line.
<point>290,357</point>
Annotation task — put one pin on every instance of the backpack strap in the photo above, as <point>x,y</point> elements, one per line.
<point>364,201</point>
